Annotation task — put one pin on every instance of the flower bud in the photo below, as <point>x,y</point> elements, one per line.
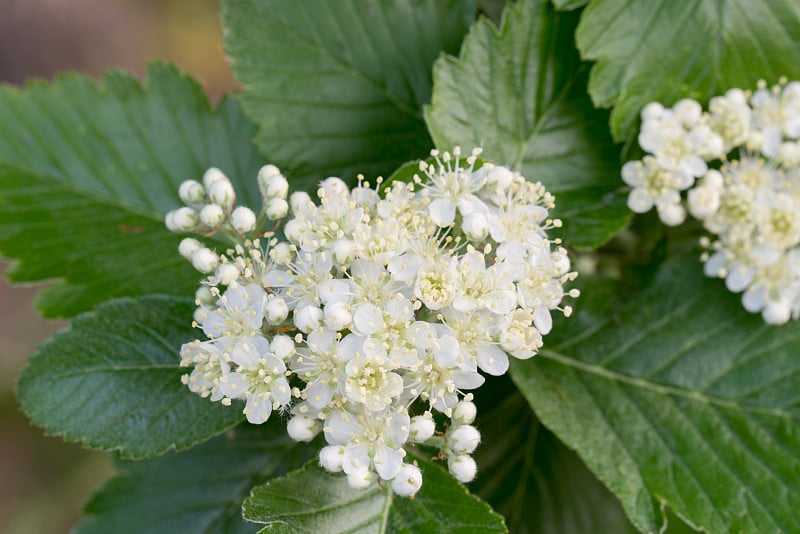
<point>203,295</point>
<point>463,467</point>
<point>276,311</point>
<point>300,201</point>
<point>337,316</point>
<point>272,183</point>
<point>343,251</point>
<point>212,176</point>
<point>221,193</point>
<point>308,319</point>
<point>464,413</point>
<point>281,253</point>
<point>293,230</point>
<point>212,216</point>
<point>499,178</point>
<point>303,428</point>
<point>205,260</point>
<point>192,193</point>
<point>243,220</point>
<point>276,208</point>
<point>188,246</point>
<point>475,226</point>
<point>361,478</point>
<point>282,346</point>
<point>422,428</point>
<point>182,220</point>
<point>227,273</point>
<point>463,439</point>
<point>331,457</point>
<point>408,481</point>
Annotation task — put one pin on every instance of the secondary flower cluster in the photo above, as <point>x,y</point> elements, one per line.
<point>377,314</point>
<point>750,197</point>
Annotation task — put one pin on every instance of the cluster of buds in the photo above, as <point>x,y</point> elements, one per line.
<point>739,162</point>
<point>372,321</point>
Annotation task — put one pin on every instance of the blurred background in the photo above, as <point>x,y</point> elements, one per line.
<point>43,480</point>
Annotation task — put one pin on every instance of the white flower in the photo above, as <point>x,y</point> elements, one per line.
<point>260,379</point>
<point>209,368</point>
<point>239,312</point>
<point>367,437</point>
<point>452,187</point>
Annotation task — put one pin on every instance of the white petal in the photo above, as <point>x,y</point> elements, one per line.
<point>258,409</point>
<point>387,462</point>
<point>442,211</point>
<point>492,360</point>
<point>368,319</point>
<point>234,385</point>
<point>542,319</point>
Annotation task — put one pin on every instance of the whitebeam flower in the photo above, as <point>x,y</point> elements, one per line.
<point>750,201</point>
<point>373,309</point>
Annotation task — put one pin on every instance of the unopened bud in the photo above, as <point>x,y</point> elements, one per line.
<point>227,273</point>
<point>308,319</point>
<point>303,428</point>
<point>463,439</point>
<point>212,215</point>
<point>221,193</point>
<point>188,246</point>
<point>272,183</point>
<point>422,428</point>
<point>276,208</point>
<point>408,481</point>
<point>212,176</point>
<point>337,316</point>
<point>182,220</point>
<point>205,260</point>
<point>361,478</point>
<point>463,467</point>
<point>331,457</point>
<point>464,413</point>
<point>300,201</point>
<point>276,310</point>
<point>282,346</point>
<point>192,193</point>
<point>243,220</point>
<point>281,253</point>
<point>475,226</point>
<point>343,251</point>
<point>203,295</point>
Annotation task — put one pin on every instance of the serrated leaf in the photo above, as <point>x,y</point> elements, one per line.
<point>338,88</point>
<point>529,476</point>
<point>313,501</point>
<point>682,399</point>
<point>113,381</point>
<point>662,50</point>
<point>520,93</point>
<point>88,170</point>
<point>198,490</point>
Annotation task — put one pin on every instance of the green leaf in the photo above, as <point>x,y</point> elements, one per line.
<point>313,501</point>
<point>87,172</point>
<point>567,5</point>
<point>520,93</point>
<point>338,88</point>
<point>682,399</point>
<point>198,490</point>
<point>529,476</point>
<point>113,381</point>
<point>662,50</point>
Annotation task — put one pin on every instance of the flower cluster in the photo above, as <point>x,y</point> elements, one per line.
<point>375,317</point>
<point>739,162</point>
